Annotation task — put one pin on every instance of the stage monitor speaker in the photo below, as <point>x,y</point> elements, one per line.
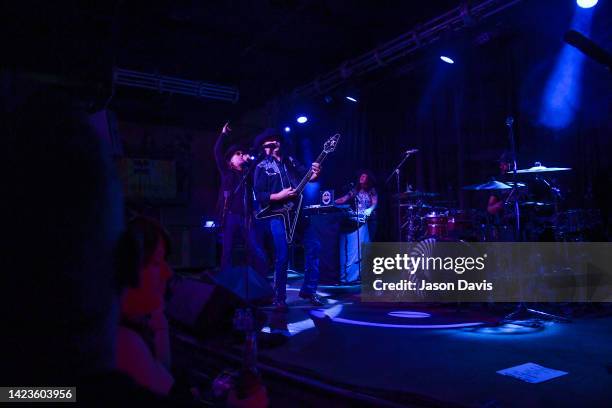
<point>242,279</point>
<point>206,304</point>
<point>201,306</point>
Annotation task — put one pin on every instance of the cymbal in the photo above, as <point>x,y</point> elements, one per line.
<point>411,205</point>
<point>535,204</point>
<point>406,195</point>
<point>490,185</point>
<point>538,168</point>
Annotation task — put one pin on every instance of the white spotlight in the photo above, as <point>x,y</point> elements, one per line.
<point>586,3</point>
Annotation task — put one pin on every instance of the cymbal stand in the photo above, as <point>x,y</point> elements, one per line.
<point>396,172</point>
<point>522,312</point>
<point>517,214</point>
<point>555,191</point>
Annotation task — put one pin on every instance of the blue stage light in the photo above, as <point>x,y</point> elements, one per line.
<point>562,93</point>
<point>287,129</point>
<point>350,98</point>
<point>586,3</point>
<point>302,119</point>
<point>446,59</point>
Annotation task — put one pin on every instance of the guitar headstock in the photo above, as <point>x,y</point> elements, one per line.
<point>331,143</point>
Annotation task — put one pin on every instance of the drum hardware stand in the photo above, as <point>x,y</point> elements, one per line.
<point>411,229</point>
<point>556,192</point>
<point>410,223</point>
<point>522,312</point>
<point>517,214</point>
<point>396,172</point>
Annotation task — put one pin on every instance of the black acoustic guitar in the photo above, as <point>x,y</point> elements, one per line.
<point>289,209</point>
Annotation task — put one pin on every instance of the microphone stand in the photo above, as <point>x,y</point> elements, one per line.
<point>245,319</point>
<point>396,172</point>
<point>247,222</point>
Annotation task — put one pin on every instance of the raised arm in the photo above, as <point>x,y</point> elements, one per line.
<point>221,165</point>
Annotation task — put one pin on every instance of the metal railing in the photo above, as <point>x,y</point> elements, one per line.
<point>175,85</point>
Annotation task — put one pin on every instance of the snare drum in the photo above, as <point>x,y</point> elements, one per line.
<point>437,224</point>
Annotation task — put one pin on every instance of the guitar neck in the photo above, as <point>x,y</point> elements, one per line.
<point>308,175</point>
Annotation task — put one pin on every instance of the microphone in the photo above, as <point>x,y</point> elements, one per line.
<point>411,151</point>
<point>588,47</point>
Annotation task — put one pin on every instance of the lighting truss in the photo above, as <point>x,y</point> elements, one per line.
<point>421,36</point>
<point>174,85</point>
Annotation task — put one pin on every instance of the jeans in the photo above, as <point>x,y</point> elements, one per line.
<point>312,247</point>
<point>234,232</point>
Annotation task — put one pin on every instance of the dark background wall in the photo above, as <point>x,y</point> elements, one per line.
<point>455,114</point>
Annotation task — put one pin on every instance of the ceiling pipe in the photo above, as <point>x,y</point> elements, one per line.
<point>420,36</point>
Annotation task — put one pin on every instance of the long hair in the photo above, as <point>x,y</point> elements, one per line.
<point>371,179</point>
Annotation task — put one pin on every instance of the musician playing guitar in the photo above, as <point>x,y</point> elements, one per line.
<point>276,178</point>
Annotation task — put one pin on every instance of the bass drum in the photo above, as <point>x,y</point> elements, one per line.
<point>463,225</point>
<point>437,250</point>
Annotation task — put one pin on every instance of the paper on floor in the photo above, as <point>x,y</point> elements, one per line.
<point>532,373</point>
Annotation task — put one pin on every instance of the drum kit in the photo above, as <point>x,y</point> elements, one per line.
<point>536,200</point>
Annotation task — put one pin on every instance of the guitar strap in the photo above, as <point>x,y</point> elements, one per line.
<point>287,176</point>
<point>284,177</point>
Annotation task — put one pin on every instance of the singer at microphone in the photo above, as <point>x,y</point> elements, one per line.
<point>236,201</point>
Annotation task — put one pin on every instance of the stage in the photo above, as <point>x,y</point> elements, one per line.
<point>424,355</point>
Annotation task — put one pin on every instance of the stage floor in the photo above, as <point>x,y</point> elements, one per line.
<point>440,356</point>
